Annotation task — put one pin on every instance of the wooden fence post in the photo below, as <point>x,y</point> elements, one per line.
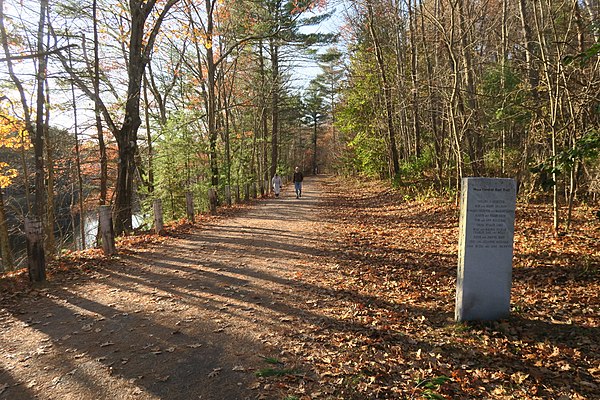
<point>228,195</point>
<point>212,200</point>
<point>159,225</point>
<point>107,231</point>
<point>36,259</point>
<point>189,206</point>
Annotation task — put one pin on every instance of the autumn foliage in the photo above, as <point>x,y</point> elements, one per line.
<point>12,136</point>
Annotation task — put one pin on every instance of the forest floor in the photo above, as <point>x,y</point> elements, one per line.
<point>346,293</point>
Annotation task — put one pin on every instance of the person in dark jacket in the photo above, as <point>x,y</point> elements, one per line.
<point>297,179</point>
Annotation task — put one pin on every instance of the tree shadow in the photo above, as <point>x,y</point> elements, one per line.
<point>11,388</point>
<point>150,337</point>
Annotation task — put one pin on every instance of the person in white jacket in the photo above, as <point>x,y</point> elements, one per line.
<point>276,183</point>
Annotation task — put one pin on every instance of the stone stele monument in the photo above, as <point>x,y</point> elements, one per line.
<point>485,250</point>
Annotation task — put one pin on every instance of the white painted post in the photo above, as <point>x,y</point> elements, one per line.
<point>159,226</point>
<point>36,258</point>
<point>228,195</point>
<point>189,206</point>
<point>212,200</point>
<point>487,216</point>
<point>106,230</point>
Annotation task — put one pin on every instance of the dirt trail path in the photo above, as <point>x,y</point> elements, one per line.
<point>194,318</point>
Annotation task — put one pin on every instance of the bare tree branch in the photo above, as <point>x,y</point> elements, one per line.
<point>36,55</point>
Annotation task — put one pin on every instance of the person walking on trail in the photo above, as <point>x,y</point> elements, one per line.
<point>297,179</point>
<point>276,183</point>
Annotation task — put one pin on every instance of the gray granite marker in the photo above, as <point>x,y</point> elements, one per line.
<point>485,249</point>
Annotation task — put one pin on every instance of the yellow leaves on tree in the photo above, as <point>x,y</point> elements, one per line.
<point>6,175</point>
<point>12,132</point>
<point>208,42</point>
<point>13,135</point>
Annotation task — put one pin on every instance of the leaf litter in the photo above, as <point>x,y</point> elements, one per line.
<point>376,316</point>
<point>385,291</point>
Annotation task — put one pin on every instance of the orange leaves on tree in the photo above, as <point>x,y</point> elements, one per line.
<point>13,135</point>
<point>222,12</point>
<point>301,6</point>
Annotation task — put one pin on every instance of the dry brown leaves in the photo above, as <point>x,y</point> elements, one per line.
<point>380,306</point>
<point>385,303</point>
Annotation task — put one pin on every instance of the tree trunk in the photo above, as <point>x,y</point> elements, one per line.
<point>38,140</point>
<point>455,106</point>
<point>211,93</point>
<point>264,122</point>
<point>254,166</point>
<point>5,253</point>
<point>433,101</point>
<point>50,215</point>
<point>473,134</point>
<point>314,143</point>
<point>532,74</point>
<point>23,154</point>
<point>276,82</point>
<point>571,198</point>
<point>593,8</point>
<point>97,112</point>
<point>503,61</point>
<point>413,75</point>
<point>35,254</point>
<point>149,139</point>
<point>225,93</point>
<point>553,99</point>
<point>140,48</point>
<point>126,142</point>
<point>387,95</point>
<point>78,164</point>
